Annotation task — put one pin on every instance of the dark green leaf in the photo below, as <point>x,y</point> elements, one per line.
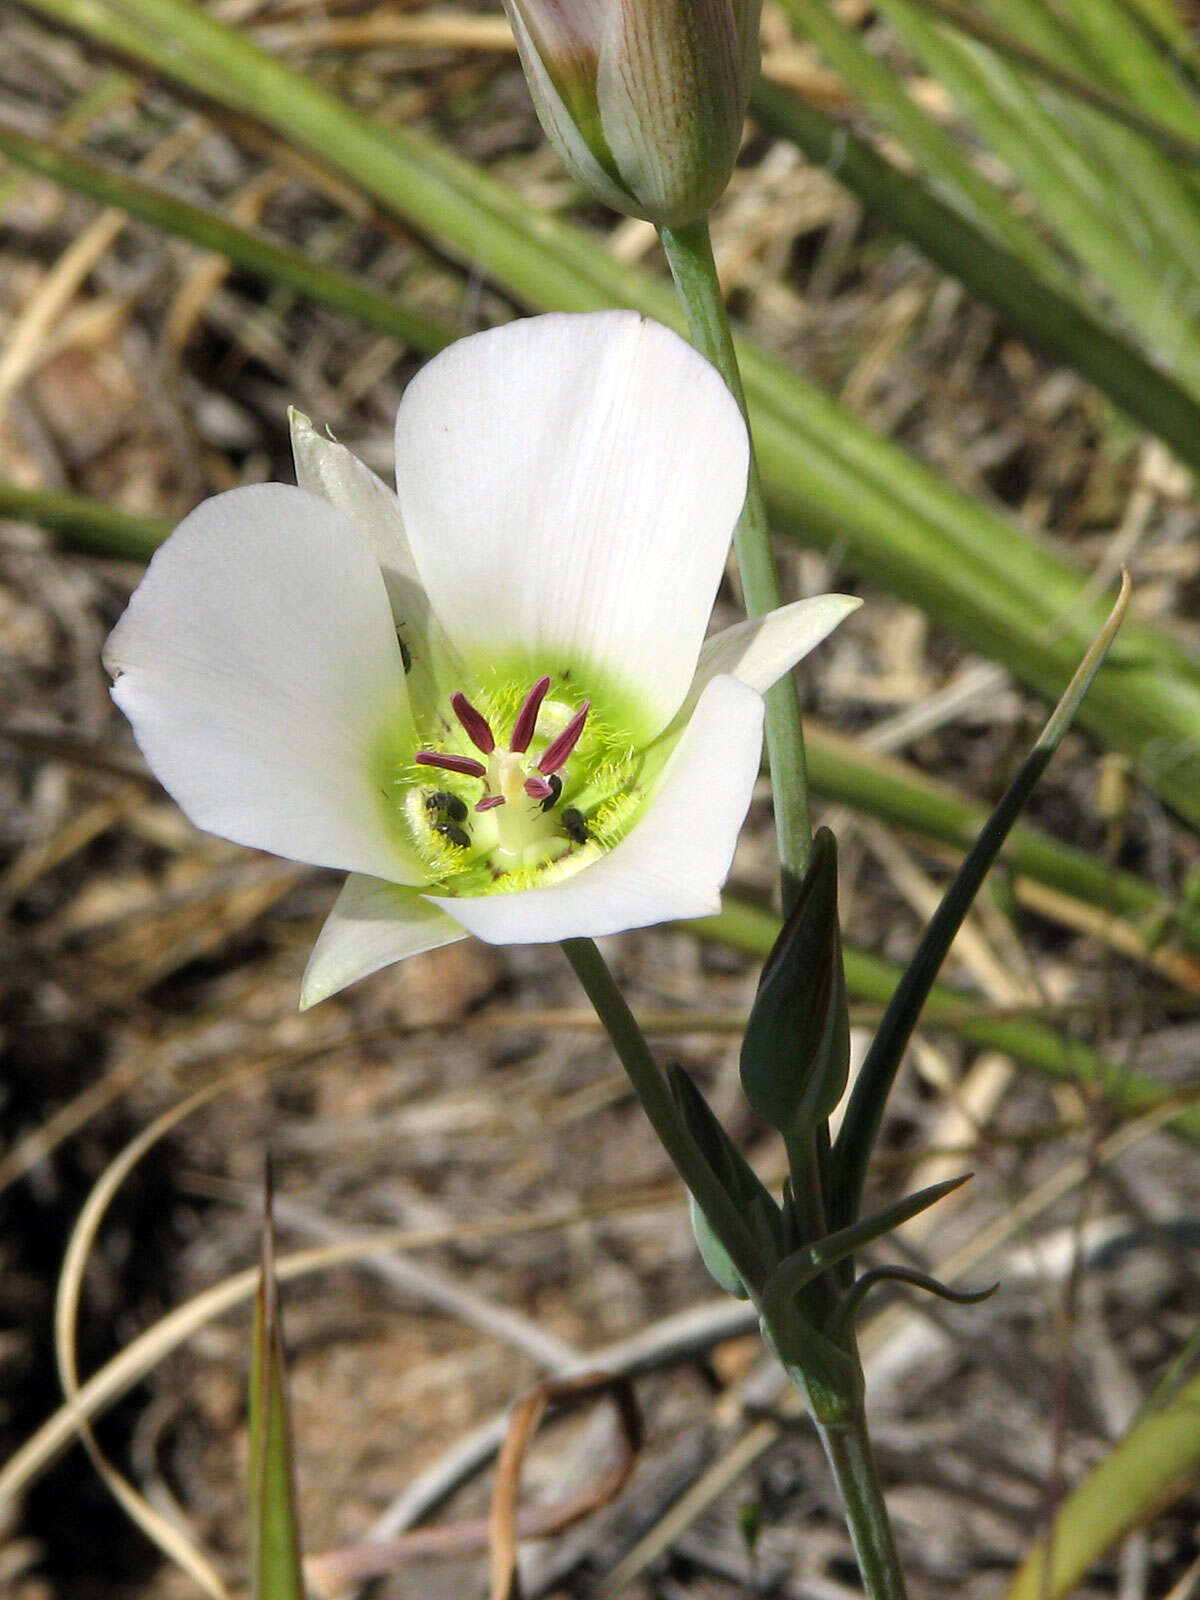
<point>864,1113</point>
<point>740,1182</point>
<point>796,1050</point>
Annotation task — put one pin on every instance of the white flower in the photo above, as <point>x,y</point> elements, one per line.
<point>486,697</point>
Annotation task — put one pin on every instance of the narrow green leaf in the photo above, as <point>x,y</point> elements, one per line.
<point>864,1111</point>
<point>275,1563</point>
<point>800,1268</point>
<point>885,787</point>
<point>1171,27</point>
<point>1122,50</point>
<point>796,1049</point>
<point>1061,173</point>
<point>851,1302</point>
<point>1157,209</point>
<point>1176,139</point>
<point>931,148</point>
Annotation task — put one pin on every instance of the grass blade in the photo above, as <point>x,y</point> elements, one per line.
<point>1034,1043</point>
<point>931,148</point>
<point>1063,327</point>
<point>251,250</point>
<point>1061,174</point>
<point>1152,1466</point>
<point>1175,139</point>
<point>89,525</point>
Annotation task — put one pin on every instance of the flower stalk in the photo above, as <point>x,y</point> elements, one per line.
<point>852,1461</point>
<point>689,253</point>
<point>651,1089</point>
<point>836,1401</point>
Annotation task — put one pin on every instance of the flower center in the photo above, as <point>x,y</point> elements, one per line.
<point>516,820</point>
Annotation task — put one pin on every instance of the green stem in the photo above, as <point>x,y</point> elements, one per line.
<point>846,1441</point>
<point>689,252</point>
<point>651,1089</point>
<point>848,1448</point>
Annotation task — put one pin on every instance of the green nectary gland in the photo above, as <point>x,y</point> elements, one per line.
<point>601,787</point>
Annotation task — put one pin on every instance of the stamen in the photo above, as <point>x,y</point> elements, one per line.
<point>557,751</point>
<point>467,765</point>
<point>475,723</point>
<point>526,724</point>
<point>490,802</point>
<point>539,788</point>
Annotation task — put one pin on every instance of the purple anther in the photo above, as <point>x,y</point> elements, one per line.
<point>467,765</point>
<point>490,802</point>
<point>538,788</point>
<point>557,751</point>
<point>475,723</point>
<point>526,723</point>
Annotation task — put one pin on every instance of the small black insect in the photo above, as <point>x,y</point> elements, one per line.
<point>443,800</point>
<point>551,799</point>
<point>575,826</point>
<point>405,653</point>
<point>455,834</point>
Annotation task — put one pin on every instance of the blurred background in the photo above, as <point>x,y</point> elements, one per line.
<point>967,241</point>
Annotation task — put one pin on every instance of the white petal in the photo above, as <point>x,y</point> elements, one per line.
<point>672,864</point>
<point>372,924</point>
<point>762,649</point>
<point>328,469</point>
<point>259,667</point>
<point>569,487</point>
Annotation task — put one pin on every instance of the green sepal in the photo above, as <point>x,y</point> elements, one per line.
<point>714,1254</point>
<point>796,1049</point>
<point>736,1176</point>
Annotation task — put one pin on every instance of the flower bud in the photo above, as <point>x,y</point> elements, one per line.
<point>643,99</point>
